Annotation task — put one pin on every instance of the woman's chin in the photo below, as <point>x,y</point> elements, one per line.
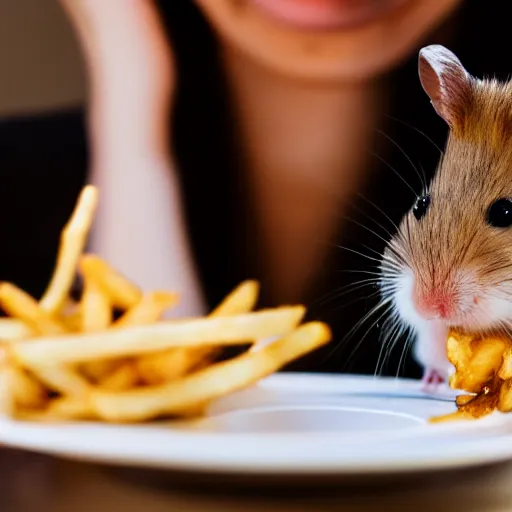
<point>325,39</point>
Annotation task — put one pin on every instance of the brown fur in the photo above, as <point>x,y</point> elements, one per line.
<point>451,268</point>
<point>475,171</point>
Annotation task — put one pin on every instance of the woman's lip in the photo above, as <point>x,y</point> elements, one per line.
<point>325,14</point>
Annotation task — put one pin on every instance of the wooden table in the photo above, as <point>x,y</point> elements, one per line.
<point>31,483</point>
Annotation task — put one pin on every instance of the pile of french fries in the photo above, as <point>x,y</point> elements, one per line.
<point>75,360</point>
<point>483,369</point>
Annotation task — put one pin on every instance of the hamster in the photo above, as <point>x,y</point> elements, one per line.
<point>450,262</point>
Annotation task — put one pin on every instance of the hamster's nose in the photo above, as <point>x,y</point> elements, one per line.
<point>435,304</point>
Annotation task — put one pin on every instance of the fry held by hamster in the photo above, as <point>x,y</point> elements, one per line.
<point>483,368</point>
<point>450,263</point>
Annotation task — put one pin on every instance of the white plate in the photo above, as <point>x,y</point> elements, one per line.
<point>290,424</point>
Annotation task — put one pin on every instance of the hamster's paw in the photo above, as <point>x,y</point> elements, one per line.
<point>430,353</point>
<point>432,379</point>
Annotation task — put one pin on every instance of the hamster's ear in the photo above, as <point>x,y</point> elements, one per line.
<point>446,82</point>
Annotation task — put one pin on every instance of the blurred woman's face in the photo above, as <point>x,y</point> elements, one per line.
<point>326,39</point>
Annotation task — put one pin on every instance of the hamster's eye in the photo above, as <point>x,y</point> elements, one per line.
<point>421,206</point>
<point>499,214</point>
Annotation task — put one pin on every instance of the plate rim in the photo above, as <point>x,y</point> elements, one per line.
<point>483,450</point>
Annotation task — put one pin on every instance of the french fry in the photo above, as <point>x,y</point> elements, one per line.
<point>96,311</point>
<point>505,397</point>
<point>59,409</point>
<point>505,372</point>
<point>233,330</point>
<point>148,310</point>
<point>99,369</point>
<point>463,399</point>
<point>96,316</point>
<point>62,379</point>
<point>241,300</point>
<point>71,408</point>
<point>160,367</point>
<point>221,378</point>
<point>476,360</point>
<point>27,391</point>
<point>124,377</point>
<point>121,292</point>
<point>140,366</point>
<point>73,240</point>
<point>12,329</point>
<point>7,392</point>
<point>19,304</point>
<point>482,368</point>
<point>72,320</point>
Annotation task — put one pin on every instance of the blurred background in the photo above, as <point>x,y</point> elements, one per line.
<point>40,62</point>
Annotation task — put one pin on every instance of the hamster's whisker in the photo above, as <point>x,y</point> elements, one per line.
<point>375,273</point>
<point>380,210</point>
<point>388,289</point>
<point>425,189</point>
<point>391,278</point>
<point>390,268</point>
<point>391,252</point>
<point>503,329</point>
<point>391,275</point>
<point>390,340</point>
<point>373,232</point>
<point>389,166</point>
<point>379,254</point>
<point>354,329</point>
<point>344,290</point>
<point>393,342</point>
<point>402,150</point>
<point>363,337</point>
<point>398,252</point>
<point>367,316</point>
<point>407,347</point>
<point>385,261</point>
<point>354,301</point>
<point>369,217</point>
<point>405,123</point>
<point>362,254</point>
<point>389,327</point>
